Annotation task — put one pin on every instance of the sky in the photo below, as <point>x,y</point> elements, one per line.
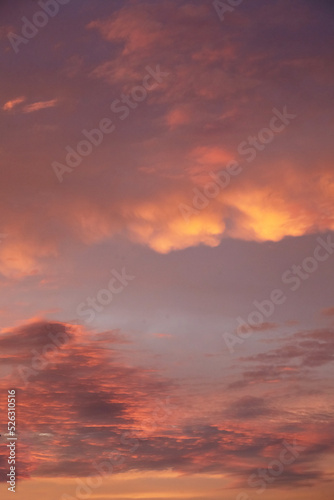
<point>167,249</point>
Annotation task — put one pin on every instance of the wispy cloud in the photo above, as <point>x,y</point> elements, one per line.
<point>14,102</point>
<point>36,106</point>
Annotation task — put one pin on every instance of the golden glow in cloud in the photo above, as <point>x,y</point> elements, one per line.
<point>269,212</point>
<point>11,104</point>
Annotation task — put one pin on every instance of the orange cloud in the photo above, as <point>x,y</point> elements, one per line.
<point>212,96</point>
<point>30,108</point>
<point>247,209</point>
<point>161,226</point>
<point>11,104</point>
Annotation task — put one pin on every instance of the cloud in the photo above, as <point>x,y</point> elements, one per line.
<point>178,116</point>
<point>328,311</point>
<point>98,395</point>
<point>11,104</point>
<point>189,127</point>
<point>298,358</point>
<point>306,349</point>
<point>36,106</point>
<point>248,407</point>
<point>29,336</point>
<point>262,327</point>
<point>221,91</point>
<point>88,387</point>
<point>208,156</point>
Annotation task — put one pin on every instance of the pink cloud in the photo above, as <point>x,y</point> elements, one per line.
<point>30,108</point>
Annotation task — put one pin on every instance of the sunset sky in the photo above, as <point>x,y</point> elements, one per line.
<point>167,248</point>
